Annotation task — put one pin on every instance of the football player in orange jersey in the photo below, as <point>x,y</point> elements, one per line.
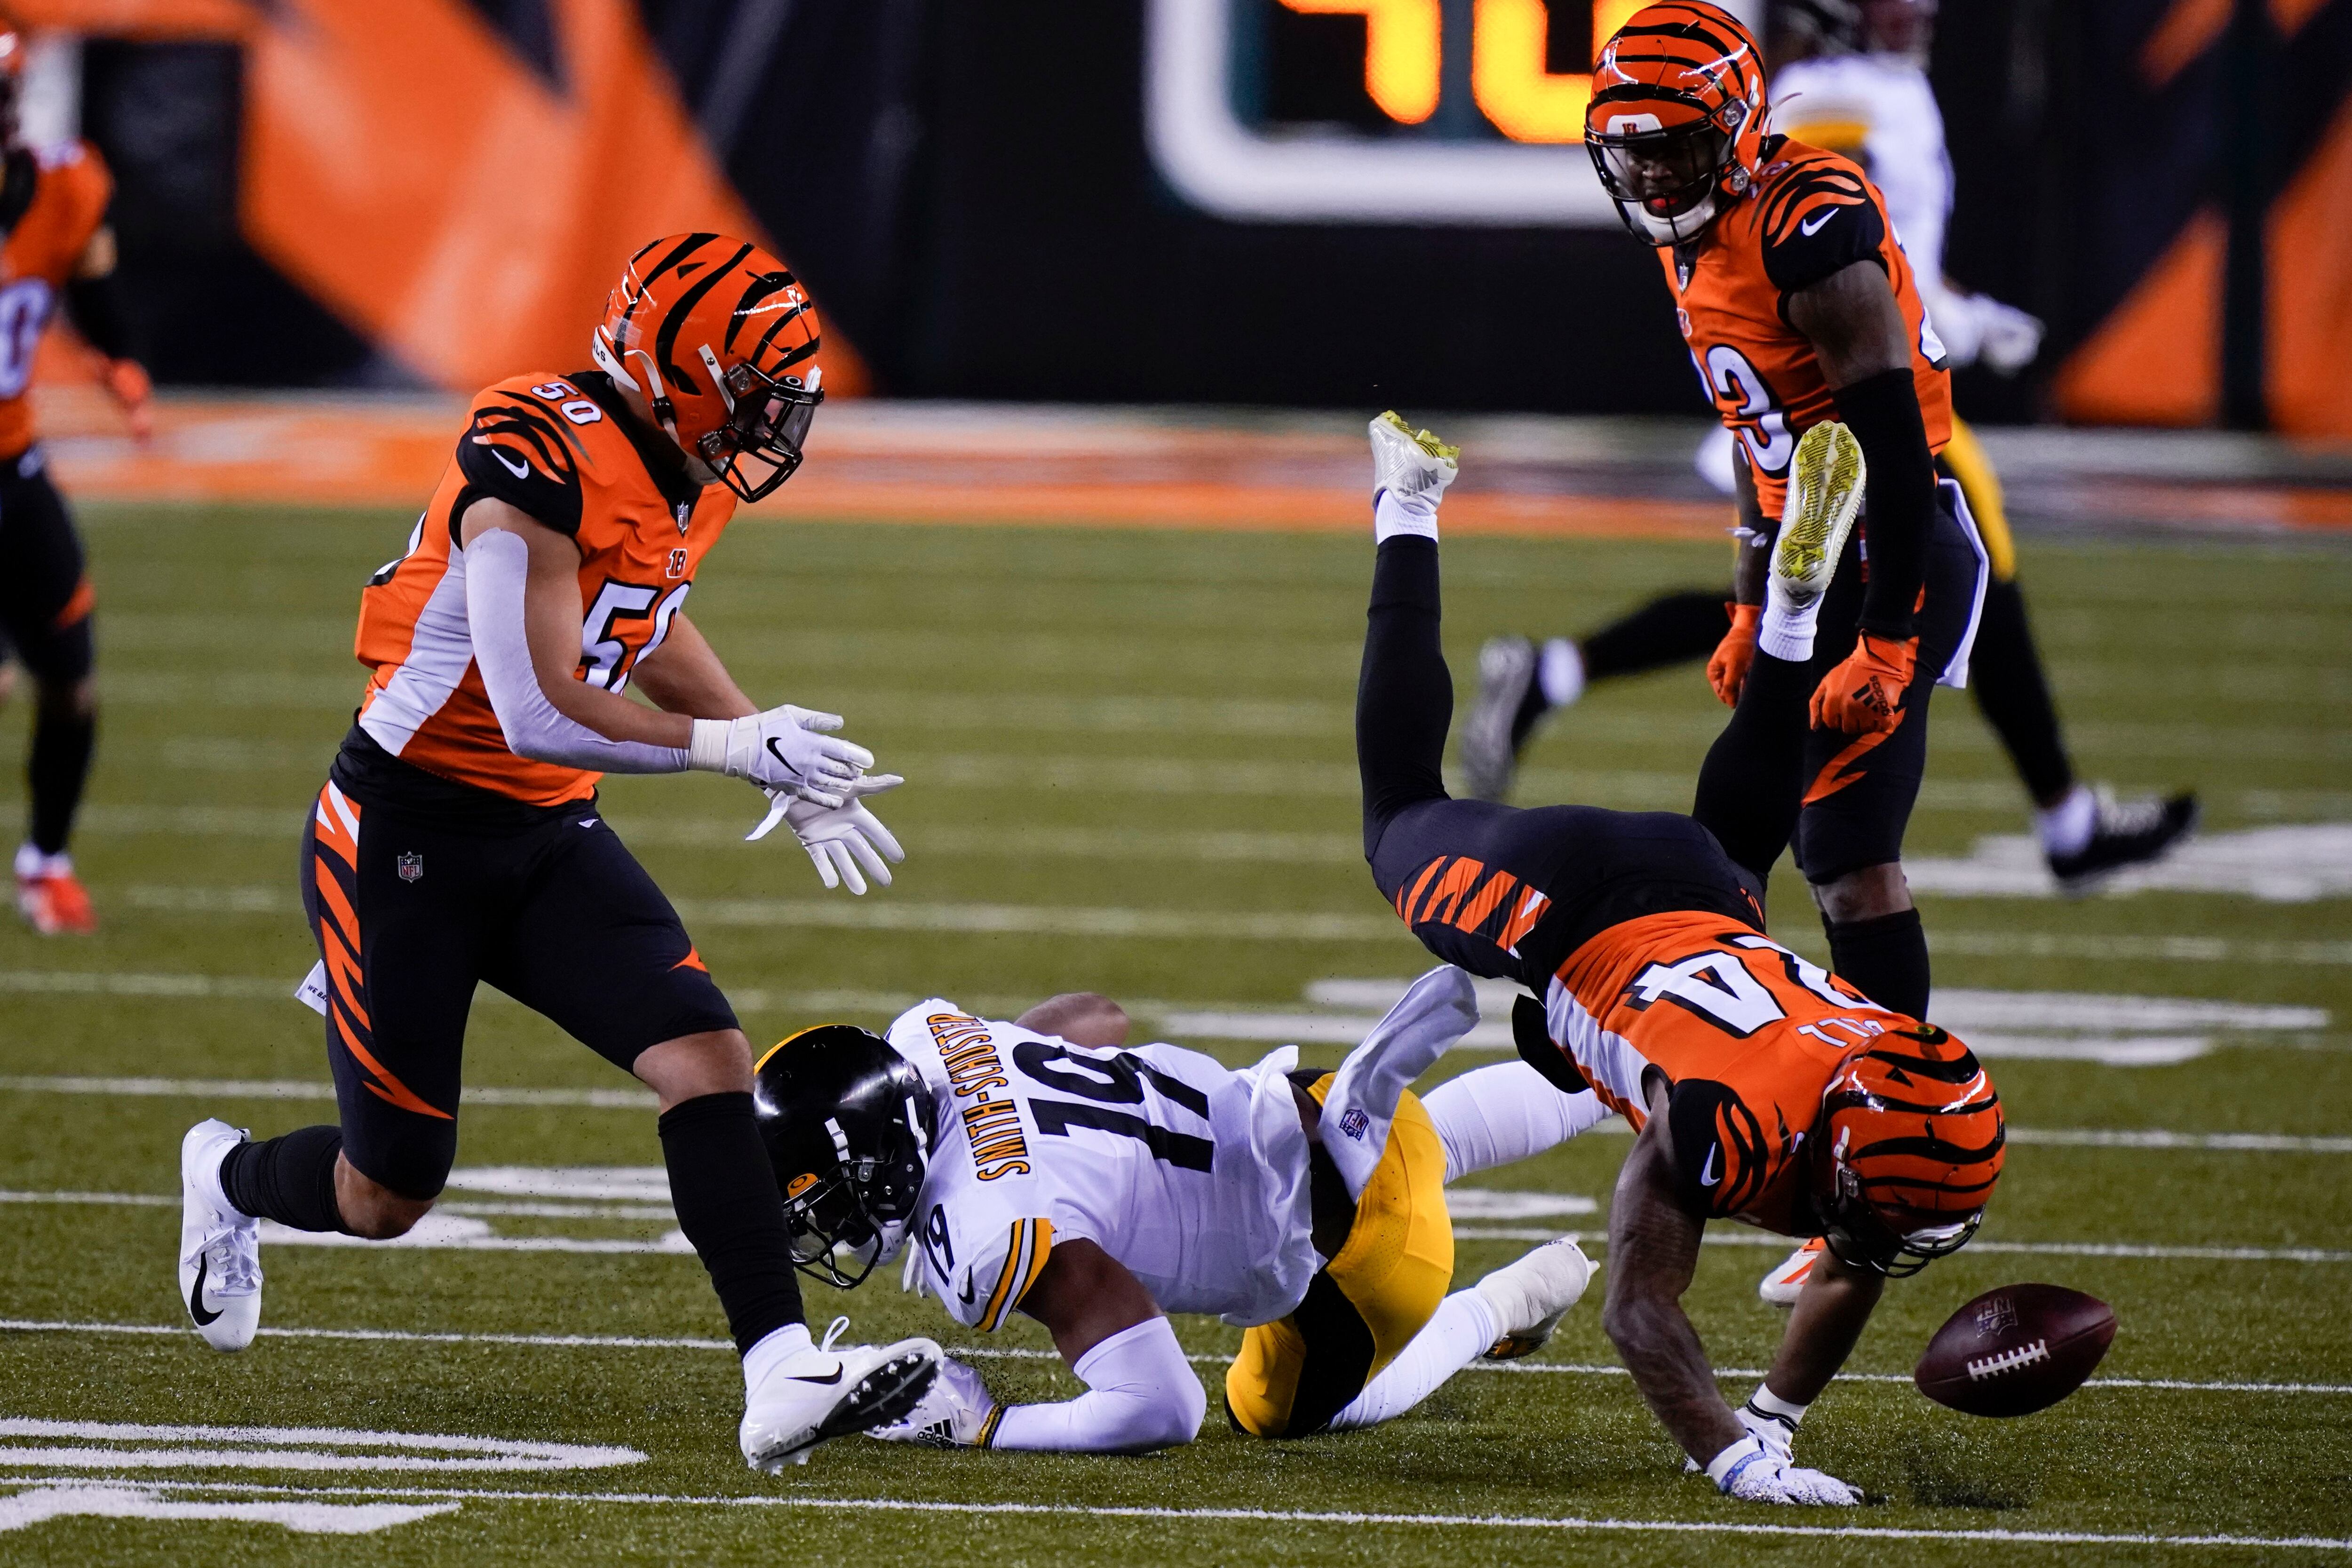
<point>54,243</point>
<point>458,839</point>
<point>1853,73</point>
<point>1799,308</point>
<point>1761,1087</point>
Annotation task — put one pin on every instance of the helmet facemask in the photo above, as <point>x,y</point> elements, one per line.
<point>1669,181</point>
<point>861,1208</point>
<point>1870,1238</point>
<point>768,419</point>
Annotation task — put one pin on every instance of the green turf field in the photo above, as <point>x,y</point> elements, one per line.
<point>1124,749</point>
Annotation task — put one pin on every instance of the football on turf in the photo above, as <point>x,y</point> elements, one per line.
<point>2016,1350</point>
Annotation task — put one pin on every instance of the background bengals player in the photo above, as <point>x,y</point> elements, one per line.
<point>56,243</point>
<point>1800,307</point>
<point>457,838</point>
<point>1760,1089</point>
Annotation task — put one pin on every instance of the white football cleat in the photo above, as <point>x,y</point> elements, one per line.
<point>956,1412</point>
<point>220,1249</point>
<point>1531,1296</point>
<point>1409,463</point>
<point>825,1391</point>
<point>1785,1283</point>
<point>1825,481</point>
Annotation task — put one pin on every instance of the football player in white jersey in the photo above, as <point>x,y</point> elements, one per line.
<point>1852,76</point>
<point>1045,1167</point>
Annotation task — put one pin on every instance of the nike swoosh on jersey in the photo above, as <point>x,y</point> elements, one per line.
<point>1812,226</point>
<point>1707,1175</point>
<point>968,1293</point>
<point>196,1294</point>
<point>522,470</point>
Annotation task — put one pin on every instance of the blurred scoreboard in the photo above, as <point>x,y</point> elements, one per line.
<point>1433,112</point>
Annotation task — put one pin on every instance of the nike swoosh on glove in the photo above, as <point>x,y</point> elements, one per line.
<point>1751,1472</point>
<point>1727,670</point>
<point>1864,692</point>
<point>785,749</point>
<point>956,1412</point>
<point>840,838</point>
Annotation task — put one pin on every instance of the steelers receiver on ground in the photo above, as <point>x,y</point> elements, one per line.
<point>1759,1087</point>
<point>1043,1166</point>
<point>458,839</point>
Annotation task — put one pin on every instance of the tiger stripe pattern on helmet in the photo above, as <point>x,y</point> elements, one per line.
<point>1676,118</point>
<point>1916,1121</point>
<point>721,340</point>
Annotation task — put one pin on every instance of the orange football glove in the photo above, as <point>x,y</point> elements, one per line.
<point>1864,692</point>
<point>1727,670</point>
<point>126,379</point>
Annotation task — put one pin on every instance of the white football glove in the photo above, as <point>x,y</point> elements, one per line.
<point>784,749</point>
<point>956,1412</point>
<point>2008,338</point>
<point>1752,1470</point>
<point>839,838</point>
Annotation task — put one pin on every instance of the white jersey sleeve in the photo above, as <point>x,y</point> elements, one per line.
<point>1192,1175</point>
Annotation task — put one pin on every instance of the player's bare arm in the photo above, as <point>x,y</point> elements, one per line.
<point>551,624</point>
<point>1082,1017</point>
<point>1830,1315</point>
<point>1084,1296</point>
<point>1654,1246</point>
<point>685,675</point>
<point>1851,319</point>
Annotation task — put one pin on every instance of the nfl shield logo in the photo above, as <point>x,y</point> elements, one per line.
<point>1355,1123</point>
<point>410,865</point>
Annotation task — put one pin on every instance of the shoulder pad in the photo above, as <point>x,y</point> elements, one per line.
<point>1817,214</point>
<point>516,449</point>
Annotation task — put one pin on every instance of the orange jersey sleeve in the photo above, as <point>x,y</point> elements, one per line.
<point>71,189</point>
<point>1747,1035</point>
<point>550,446</point>
<point>1809,214</point>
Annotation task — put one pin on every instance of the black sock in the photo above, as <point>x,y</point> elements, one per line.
<point>290,1179</point>
<point>724,1189</point>
<point>59,767</point>
<point>1884,958</point>
<point>1753,780</point>
<point>1674,628</point>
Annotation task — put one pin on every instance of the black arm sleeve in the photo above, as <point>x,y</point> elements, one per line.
<point>1405,695</point>
<point>1898,498</point>
<point>96,306</point>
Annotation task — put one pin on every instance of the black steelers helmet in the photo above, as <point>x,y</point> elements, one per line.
<point>848,1127</point>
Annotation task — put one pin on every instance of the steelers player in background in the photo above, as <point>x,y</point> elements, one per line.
<point>1851,75</point>
<point>458,839</point>
<point>57,246</point>
<point>1045,1167</point>
<point>1759,1088</point>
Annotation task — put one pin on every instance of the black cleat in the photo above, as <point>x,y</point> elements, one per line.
<point>2129,832</point>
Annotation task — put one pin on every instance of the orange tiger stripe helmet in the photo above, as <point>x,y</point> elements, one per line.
<point>721,340</point>
<point>1911,1143</point>
<point>1675,124</point>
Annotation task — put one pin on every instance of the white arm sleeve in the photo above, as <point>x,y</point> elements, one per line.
<point>497,565</point>
<point>1141,1394</point>
<point>1501,1115</point>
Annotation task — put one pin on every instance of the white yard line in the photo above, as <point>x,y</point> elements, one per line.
<point>639,1100</point>
<point>1000,1352</point>
<point>458,1233</point>
<point>1342,1518</point>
